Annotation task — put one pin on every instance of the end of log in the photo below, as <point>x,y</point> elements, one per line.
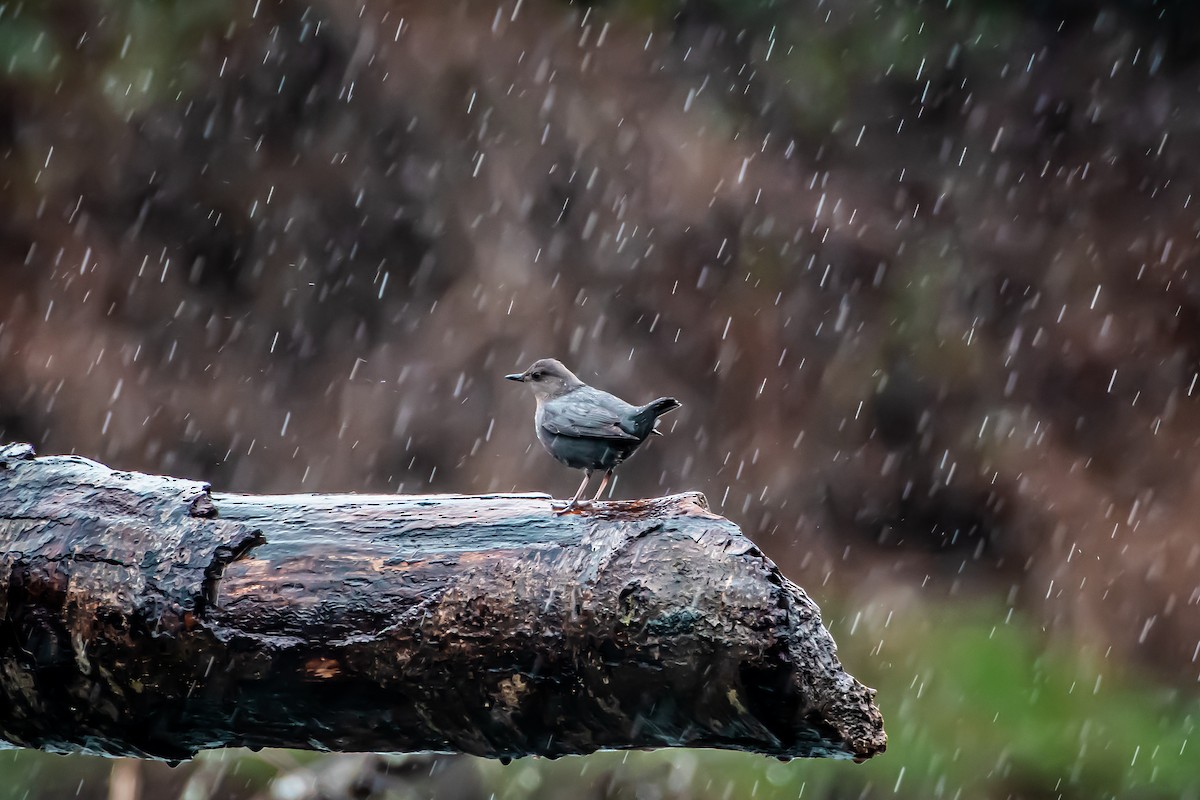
<point>141,615</point>
<point>839,704</point>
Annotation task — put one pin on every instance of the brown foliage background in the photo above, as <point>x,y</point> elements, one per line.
<point>923,278</point>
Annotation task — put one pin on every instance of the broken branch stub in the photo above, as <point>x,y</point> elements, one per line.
<point>141,615</point>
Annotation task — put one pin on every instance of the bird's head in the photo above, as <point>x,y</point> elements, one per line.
<point>547,378</point>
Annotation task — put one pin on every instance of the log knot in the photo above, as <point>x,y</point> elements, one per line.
<point>202,505</point>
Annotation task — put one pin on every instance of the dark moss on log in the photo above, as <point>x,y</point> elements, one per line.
<point>142,615</point>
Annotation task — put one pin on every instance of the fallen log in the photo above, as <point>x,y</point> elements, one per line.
<point>143,615</point>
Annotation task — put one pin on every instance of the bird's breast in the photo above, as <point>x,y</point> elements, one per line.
<point>544,436</point>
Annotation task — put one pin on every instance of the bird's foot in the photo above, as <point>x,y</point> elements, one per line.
<point>569,506</point>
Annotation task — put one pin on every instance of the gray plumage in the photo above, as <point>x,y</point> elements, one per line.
<point>584,427</point>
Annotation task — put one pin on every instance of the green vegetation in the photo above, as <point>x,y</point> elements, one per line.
<point>27,50</point>
<point>137,51</point>
<point>978,687</point>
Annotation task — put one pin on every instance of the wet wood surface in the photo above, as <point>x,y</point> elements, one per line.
<point>145,615</point>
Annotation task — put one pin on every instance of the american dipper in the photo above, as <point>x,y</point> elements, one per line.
<point>586,428</point>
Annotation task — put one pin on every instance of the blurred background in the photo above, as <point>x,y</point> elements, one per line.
<point>924,275</point>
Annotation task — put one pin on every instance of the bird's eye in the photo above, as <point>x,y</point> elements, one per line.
<point>537,376</point>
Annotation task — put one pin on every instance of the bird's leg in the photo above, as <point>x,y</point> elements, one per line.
<point>587,477</point>
<point>603,482</point>
<point>574,501</point>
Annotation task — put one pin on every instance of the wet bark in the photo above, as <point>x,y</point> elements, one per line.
<point>143,615</point>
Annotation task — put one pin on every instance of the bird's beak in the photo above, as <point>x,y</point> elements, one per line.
<point>516,376</point>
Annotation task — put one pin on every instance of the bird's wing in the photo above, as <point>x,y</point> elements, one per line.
<point>583,415</point>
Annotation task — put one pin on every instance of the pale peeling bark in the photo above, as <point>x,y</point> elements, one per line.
<point>140,615</point>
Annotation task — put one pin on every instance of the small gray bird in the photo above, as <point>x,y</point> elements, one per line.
<point>586,428</point>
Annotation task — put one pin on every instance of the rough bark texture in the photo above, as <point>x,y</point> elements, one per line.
<point>140,615</point>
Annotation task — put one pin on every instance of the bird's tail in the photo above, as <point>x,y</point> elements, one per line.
<point>655,409</point>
